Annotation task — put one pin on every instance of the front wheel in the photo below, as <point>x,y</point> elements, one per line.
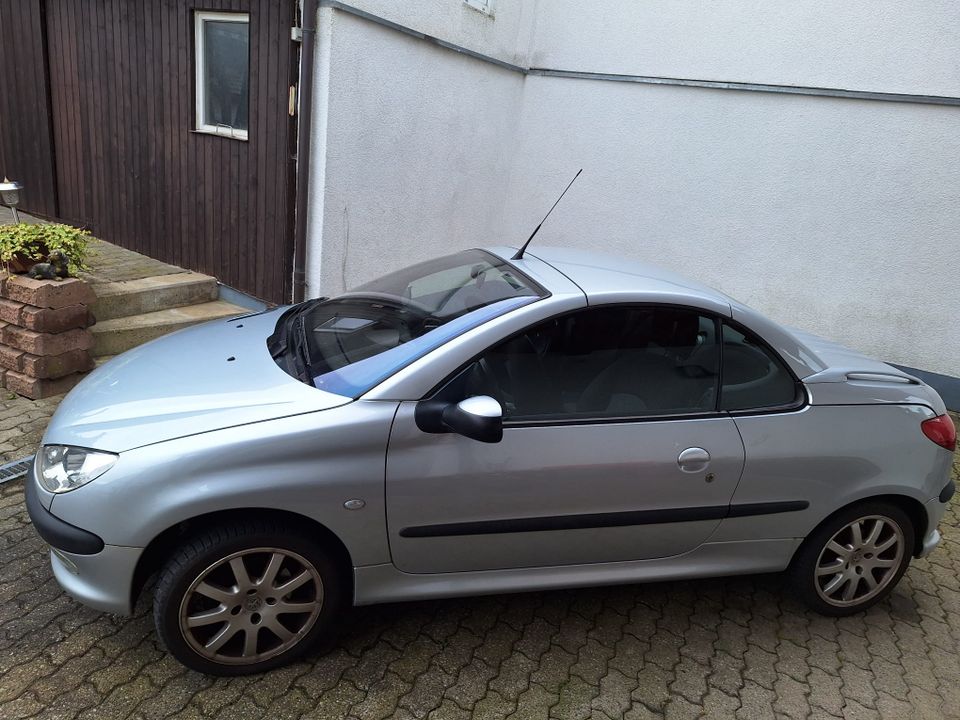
<point>855,559</point>
<point>246,598</point>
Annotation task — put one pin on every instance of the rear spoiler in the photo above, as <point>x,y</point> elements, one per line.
<point>839,375</point>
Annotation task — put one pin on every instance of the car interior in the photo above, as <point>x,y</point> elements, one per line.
<point>625,362</point>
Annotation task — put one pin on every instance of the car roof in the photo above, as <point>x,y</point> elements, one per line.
<point>576,278</point>
<point>610,279</point>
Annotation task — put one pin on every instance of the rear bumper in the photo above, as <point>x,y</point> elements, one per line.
<point>935,509</point>
<point>948,490</point>
<point>930,543</point>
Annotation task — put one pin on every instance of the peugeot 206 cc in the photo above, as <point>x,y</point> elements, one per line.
<point>481,424</point>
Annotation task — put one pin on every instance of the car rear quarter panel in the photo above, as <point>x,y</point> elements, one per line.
<point>308,464</point>
<point>831,456</point>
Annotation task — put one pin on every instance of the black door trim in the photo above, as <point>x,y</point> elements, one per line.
<point>602,520</point>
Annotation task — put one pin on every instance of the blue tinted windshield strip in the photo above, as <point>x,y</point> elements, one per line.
<point>356,379</point>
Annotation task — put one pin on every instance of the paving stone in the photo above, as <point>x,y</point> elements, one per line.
<point>492,706</point>
<point>471,684</point>
<point>574,702</point>
<point>614,698</point>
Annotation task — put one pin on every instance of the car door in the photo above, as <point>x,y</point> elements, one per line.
<point>612,449</point>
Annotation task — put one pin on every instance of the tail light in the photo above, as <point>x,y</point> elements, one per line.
<point>942,431</point>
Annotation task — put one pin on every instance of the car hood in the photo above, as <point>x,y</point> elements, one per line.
<point>207,377</point>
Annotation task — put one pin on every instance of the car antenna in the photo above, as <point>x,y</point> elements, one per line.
<point>519,254</point>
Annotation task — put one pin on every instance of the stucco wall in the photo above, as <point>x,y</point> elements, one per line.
<point>877,45</point>
<point>506,35</point>
<point>836,216</point>
<point>413,143</point>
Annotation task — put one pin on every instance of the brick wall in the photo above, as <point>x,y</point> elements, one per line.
<point>44,337</point>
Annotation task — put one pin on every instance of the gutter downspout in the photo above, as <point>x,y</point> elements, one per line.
<point>304,128</point>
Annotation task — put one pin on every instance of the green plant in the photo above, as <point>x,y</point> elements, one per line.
<point>32,242</point>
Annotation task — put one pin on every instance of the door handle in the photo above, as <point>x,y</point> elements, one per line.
<point>693,460</point>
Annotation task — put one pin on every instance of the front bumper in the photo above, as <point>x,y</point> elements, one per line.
<point>91,572</point>
<point>103,581</point>
<point>59,534</point>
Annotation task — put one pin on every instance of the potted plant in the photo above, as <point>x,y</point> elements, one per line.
<point>22,245</point>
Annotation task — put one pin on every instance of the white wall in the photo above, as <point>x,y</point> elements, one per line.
<point>837,216</point>
<point>505,36</point>
<point>415,144</point>
<point>878,45</point>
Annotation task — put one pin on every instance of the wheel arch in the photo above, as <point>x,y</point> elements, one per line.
<point>911,506</point>
<point>159,549</point>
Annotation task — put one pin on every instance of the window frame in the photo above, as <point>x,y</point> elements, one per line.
<point>800,400</point>
<point>200,17</point>
<point>799,403</point>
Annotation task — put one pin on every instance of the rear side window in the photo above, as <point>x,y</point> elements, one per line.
<point>753,377</point>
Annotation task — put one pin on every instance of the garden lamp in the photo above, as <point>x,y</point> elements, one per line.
<point>10,194</point>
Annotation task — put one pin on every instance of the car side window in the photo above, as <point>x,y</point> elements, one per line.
<point>602,363</point>
<point>753,376</point>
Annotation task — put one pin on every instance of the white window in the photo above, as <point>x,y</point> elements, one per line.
<point>222,55</point>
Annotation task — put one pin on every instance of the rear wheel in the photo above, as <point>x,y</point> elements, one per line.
<point>855,559</point>
<point>246,598</point>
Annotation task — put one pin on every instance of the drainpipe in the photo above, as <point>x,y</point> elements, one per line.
<point>304,127</point>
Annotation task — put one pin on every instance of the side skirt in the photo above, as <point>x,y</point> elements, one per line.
<point>385,583</point>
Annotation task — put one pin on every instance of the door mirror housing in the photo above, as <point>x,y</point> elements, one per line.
<point>479,418</point>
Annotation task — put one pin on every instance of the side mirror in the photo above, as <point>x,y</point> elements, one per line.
<point>479,418</point>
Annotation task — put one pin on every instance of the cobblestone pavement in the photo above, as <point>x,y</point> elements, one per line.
<point>22,423</point>
<point>734,648</point>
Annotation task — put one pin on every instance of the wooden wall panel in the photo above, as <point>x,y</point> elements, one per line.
<point>26,150</point>
<point>129,164</point>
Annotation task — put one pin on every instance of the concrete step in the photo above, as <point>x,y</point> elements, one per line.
<point>151,294</point>
<point>112,337</point>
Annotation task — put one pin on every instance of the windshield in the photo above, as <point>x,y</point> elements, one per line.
<point>348,344</point>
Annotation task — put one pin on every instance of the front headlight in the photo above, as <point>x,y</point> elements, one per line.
<point>64,468</point>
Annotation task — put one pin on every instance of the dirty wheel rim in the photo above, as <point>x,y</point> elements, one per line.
<point>859,561</point>
<point>251,606</point>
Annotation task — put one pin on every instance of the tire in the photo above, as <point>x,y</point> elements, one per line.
<point>220,606</point>
<point>872,567</point>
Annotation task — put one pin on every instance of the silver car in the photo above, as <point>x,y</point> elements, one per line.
<point>478,424</point>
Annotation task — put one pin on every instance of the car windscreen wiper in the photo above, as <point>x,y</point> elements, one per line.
<point>301,348</point>
<point>279,341</point>
<point>288,344</point>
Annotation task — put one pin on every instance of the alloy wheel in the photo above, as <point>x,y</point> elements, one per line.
<point>251,606</point>
<point>859,561</point>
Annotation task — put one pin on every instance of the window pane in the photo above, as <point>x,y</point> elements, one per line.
<point>226,57</point>
<point>604,362</point>
<point>452,285</point>
<point>752,376</point>
<point>360,338</point>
